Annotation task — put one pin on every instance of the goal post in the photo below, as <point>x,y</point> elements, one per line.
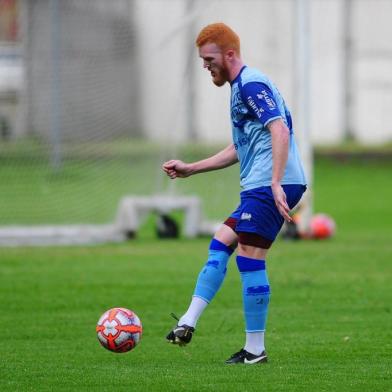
<point>303,108</point>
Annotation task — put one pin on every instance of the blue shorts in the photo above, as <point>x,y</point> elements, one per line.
<point>257,213</point>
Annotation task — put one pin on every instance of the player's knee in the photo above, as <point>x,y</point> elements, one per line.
<point>226,234</point>
<point>253,245</point>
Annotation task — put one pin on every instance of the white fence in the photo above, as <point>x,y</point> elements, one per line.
<point>131,66</point>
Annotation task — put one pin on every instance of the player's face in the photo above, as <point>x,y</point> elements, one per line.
<point>214,62</point>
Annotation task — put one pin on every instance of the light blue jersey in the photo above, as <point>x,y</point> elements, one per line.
<point>255,102</point>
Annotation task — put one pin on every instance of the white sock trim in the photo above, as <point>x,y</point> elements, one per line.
<point>194,311</point>
<point>255,342</point>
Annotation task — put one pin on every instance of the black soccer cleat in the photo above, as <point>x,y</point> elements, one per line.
<point>180,334</point>
<point>247,358</point>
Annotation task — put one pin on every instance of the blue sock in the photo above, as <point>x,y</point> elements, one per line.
<point>214,271</point>
<point>255,292</point>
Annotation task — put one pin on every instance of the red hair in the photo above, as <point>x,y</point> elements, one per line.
<point>221,35</point>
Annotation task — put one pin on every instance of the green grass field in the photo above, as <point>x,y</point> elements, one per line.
<point>330,318</point>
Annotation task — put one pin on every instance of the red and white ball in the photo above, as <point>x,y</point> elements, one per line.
<point>119,330</point>
<point>322,226</point>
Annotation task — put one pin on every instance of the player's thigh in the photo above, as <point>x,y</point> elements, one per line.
<point>259,220</point>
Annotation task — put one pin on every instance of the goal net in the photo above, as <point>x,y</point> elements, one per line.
<point>110,90</point>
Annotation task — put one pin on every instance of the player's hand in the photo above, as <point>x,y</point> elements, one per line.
<point>176,168</point>
<point>281,202</point>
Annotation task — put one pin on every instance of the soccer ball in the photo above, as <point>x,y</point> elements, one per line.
<point>322,226</point>
<point>119,330</point>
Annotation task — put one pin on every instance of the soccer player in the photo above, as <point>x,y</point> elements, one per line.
<point>272,182</point>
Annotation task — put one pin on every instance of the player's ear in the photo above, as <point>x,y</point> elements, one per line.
<point>230,54</point>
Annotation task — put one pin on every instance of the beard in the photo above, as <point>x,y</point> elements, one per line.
<point>219,82</point>
<point>219,76</point>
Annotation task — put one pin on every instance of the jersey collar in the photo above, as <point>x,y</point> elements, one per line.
<point>238,76</point>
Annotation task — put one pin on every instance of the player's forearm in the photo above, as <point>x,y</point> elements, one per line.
<point>280,149</point>
<point>222,159</point>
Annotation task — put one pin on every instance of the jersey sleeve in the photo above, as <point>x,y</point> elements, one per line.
<point>259,99</point>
